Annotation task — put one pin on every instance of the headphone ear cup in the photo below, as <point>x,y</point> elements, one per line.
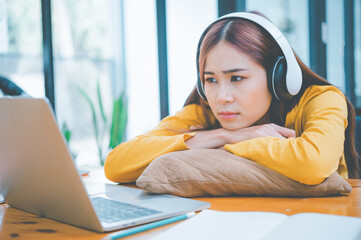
<point>277,79</point>
<point>200,88</point>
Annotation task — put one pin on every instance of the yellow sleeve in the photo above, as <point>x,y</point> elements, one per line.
<point>127,161</point>
<point>312,156</point>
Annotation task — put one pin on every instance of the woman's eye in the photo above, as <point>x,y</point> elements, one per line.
<point>211,80</point>
<point>236,78</point>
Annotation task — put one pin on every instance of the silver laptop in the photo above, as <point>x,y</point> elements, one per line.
<point>39,176</point>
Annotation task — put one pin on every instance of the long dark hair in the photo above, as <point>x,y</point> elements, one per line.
<point>257,43</point>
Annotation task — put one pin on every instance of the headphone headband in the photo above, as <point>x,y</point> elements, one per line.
<point>293,72</point>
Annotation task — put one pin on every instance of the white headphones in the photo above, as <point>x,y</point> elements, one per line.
<point>285,80</point>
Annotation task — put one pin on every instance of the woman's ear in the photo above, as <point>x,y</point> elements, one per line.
<point>200,88</point>
<point>276,79</point>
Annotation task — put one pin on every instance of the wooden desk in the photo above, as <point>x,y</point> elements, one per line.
<point>16,224</point>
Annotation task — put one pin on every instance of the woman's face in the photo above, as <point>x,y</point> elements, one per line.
<point>236,88</point>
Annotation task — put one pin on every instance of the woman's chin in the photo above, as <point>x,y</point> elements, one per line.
<point>233,127</point>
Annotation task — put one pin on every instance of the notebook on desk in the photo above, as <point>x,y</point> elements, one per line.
<point>41,177</point>
<point>214,225</point>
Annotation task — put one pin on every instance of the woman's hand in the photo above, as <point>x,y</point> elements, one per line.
<point>265,130</point>
<point>217,138</point>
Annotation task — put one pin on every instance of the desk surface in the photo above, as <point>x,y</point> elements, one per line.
<point>16,224</point>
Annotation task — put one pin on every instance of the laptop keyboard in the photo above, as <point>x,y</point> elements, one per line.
<point>113,211</point>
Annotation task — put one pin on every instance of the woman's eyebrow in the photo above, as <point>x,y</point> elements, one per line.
<point>208,73</point>
<point>228,71</point>
<point>234,70</point>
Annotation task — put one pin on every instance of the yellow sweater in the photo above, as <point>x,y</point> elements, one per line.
<point>319,119</point>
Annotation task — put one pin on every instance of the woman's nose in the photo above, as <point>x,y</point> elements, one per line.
<point>225,94</point>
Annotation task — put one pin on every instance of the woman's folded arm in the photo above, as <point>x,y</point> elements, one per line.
<point>310,157</point>
<point>126,162</point>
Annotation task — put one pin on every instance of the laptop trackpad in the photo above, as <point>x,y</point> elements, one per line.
<point>99,188</point>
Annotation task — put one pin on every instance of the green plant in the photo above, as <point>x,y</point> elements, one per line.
<point>66,132</point>
<point>67,135</point>
<point>115,130</point>
<point>119,121</point>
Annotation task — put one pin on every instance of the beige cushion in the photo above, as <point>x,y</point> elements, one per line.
<point>212,172</point>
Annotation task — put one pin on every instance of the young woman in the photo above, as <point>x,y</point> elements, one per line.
<point>255,99</point>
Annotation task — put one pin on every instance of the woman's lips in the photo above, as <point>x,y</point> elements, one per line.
<point>228,115</point>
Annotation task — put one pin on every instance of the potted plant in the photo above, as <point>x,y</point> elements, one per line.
<point>108,133</point>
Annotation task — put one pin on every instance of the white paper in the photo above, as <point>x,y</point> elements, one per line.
<point>317,226</point>
<point>217,225</point>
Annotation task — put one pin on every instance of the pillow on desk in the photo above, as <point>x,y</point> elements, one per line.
<point>213,172</point>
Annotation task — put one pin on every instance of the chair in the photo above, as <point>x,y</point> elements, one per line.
<point>358,138</point>
<point>9,88</point>
<point>358,134</point>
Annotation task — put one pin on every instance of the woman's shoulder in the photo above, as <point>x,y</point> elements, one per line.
<point>318,97</point>
<point>316,90</point>
<point>190,114</point>
<point>194,114</point>
<point>327,92</point>
<point>190,109</point>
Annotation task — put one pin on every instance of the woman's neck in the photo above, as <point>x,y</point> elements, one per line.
<point>264,120</point>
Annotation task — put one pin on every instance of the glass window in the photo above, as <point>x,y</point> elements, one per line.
<point>186,21</point>
<point>291,17</point>
<point>357,21</point>
<point>141,58</point>
<point>335,36</point>
<point>86,68</point>
<point>21,45</point>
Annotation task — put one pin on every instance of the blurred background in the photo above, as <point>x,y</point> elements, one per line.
<point>91,58</point>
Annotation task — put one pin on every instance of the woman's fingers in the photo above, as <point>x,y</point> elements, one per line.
<point>192,128</point>
<point>285,132</point>
<point>266,130</point>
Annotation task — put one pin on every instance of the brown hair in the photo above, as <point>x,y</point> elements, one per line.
<point>257,43</point>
